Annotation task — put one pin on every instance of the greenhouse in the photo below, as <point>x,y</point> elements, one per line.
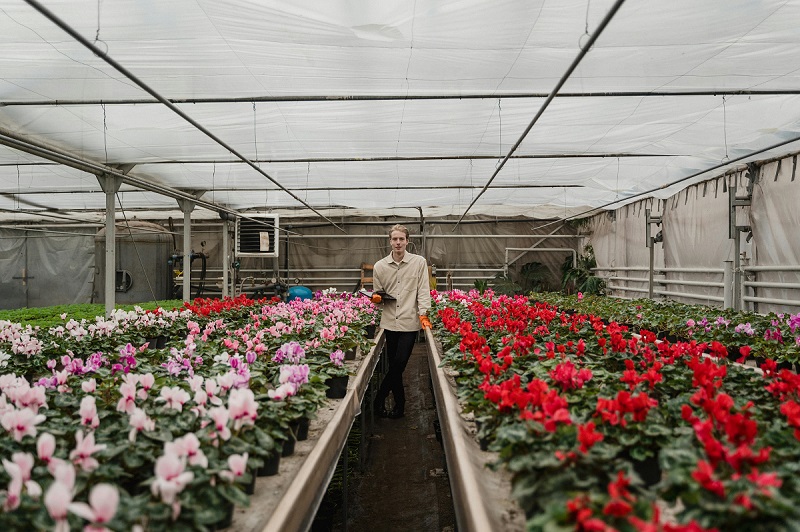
<point>202,201</point>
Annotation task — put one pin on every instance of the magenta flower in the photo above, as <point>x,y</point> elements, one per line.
<point>103,503</point>
<point>296,374</point>
<point>337,357</point>
<point>291,352</point>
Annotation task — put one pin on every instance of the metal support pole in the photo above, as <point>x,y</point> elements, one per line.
<point>650,273</point>
<point>226,260</point>
<point>727,281</point>
<point>187,207</point>
<point>110,185</point>
<point>737,272</point>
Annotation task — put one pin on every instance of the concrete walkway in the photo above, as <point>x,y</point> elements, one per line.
<point>404,485</point>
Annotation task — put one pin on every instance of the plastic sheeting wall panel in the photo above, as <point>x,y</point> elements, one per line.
<point>41,269</point>
<point>143,251</point>
<point>775,221</point>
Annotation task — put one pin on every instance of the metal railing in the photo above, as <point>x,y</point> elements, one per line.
<point>612,282</point>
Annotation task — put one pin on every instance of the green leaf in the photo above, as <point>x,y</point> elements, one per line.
<point>66,400</point>
<point>235,495</point>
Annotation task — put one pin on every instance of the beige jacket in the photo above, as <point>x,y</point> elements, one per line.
<point>409,284</point>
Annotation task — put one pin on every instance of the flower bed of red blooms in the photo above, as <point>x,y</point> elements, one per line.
<point>580,410</point>
<point>208,306</point>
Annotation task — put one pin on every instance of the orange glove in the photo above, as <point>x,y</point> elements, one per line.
<point>376,298</point>
<point>425,322</point>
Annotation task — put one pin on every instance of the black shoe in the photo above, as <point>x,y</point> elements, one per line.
<point>379,409</point>
<point>395,414</point>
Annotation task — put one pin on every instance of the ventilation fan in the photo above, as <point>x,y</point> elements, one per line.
<point>257,237</point>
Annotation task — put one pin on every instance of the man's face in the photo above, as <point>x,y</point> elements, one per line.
<point>399,242</point>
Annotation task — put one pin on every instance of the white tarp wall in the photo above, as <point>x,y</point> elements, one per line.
<point>775,219</point>
<point>696,243</point>
<point>41,269</point>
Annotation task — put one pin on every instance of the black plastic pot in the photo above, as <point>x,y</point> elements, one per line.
<point>271,466</point>
<point>337,387</point>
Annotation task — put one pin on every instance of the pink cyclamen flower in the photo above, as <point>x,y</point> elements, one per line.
<point>188,447</point>
<point>580,296</point>
<point>220,416</point>
<point>21,423</point>
<point>89,386</point>
<point>14,492</point>
<point>128,401</point>
<point>24,464</point>
<point>57,501</point>
<point>237,466</point>
<point>171,477</point>
<point>64,472</point>
<point>287,389</point>
<point>45,447</point>
<point>139,421</point>
<point>85,447</point>
<point>103,503</point>
<point>88,412</point>
<point>242,407</point>
<point>337,357</point>
<point>174,397</point>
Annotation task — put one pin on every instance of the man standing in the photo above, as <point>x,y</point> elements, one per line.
<point>403,277</point>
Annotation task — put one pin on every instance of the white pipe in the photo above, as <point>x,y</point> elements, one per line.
<point>111,251</point>
<point>767,284</point>
<point>787,302</point>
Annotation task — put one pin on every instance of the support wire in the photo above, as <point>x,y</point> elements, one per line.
<point>124,71</point>
<point>584,50</point>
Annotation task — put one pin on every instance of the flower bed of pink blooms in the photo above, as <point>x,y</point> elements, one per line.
<point>100,430</point>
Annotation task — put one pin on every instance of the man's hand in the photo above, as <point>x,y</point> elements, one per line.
<point>425,322</point>
<point>376,298</point>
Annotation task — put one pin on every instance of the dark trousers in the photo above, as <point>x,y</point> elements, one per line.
<point>399,345</point>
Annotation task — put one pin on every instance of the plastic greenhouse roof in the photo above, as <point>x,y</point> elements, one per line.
<point>381,107</point>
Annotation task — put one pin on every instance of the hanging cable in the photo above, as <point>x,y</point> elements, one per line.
<point>152,92</point>
<point>255,131</point>
<point>550,97</point>
<point>105,132</point>
<point>500,119</point>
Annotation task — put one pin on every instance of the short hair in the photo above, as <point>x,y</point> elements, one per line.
<point>398,227</point>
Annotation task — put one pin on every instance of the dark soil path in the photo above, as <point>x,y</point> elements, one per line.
<point>404,484</point>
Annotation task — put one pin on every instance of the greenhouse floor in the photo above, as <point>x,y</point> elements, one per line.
<point>404,484</point>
